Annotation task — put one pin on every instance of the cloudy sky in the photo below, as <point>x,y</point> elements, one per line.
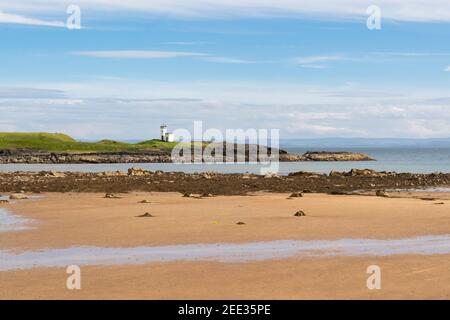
<point>309,68</point>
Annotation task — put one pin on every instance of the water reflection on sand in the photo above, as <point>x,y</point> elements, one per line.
<point>223,252</point>
<point>12,222</point>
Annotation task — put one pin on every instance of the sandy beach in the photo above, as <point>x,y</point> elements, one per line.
<point>90,220</point>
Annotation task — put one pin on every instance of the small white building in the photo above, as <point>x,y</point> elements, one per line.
<point>165,135</point>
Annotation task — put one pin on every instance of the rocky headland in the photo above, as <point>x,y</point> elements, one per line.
<point>28,156</point>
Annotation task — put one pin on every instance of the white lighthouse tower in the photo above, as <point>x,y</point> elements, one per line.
<point>166,136</point>
<point>163,129</point>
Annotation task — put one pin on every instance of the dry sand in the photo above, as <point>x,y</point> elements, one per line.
<point>64,220</point>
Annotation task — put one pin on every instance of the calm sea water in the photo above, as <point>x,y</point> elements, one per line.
<point>400,159</point>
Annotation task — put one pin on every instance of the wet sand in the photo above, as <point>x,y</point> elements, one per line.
<point>72,220</point>
<point>403,277</point>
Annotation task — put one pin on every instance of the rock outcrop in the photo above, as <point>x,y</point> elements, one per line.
<point>335,156</point>
<point>165,156</point>
<point>36,157</point>
<point>200,185</point>
<point>361,173</point>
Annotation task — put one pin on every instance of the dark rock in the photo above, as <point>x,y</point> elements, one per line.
<point>146,215</point>
<point>296,195</point>
<point>334,173</point>
<point>382,193</point>
<point>338,192</point>
<point>300,213</point>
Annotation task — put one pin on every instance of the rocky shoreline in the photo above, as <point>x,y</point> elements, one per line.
<point>154,156</point>
<point>217,184</point>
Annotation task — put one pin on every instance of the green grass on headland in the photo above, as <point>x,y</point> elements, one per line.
<point>58,142</point>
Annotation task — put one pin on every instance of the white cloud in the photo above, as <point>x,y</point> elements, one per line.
<point>315,59</point>
<point>110,110</point>
<point>316,62</point>
<point>29,93</point>
<point>319,61</point>
<point>19,19</point>
<point>137,54</point>
<point>227,60</point>
<point>447,69</point>
<point>150,54</point>
<point>412,10</point>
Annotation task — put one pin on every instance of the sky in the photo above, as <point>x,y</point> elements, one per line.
<point>309,68</point>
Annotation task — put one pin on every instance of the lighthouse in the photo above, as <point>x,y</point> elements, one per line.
<point>163,129</point>
<point>166,136</point>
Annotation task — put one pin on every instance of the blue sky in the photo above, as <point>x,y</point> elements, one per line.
<point>311,70</point>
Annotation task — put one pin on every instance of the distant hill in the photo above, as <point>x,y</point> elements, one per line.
<point>58,142</point>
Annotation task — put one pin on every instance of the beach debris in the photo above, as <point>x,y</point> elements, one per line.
<point>111,196</point>
<point>146,215</point>
<point>382,193</point>
<point>144,201</point>
<point>4,201</point>
<point>240,223</point>
<point>18,196</point>
<point>296,195</point>
<point>300,213</point>
<point>271,175</point>
<point>428,199</point>
<point>439,203</point>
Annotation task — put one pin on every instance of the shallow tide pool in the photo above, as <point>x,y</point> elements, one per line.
<point>223,252</point>
<point>12,222</point>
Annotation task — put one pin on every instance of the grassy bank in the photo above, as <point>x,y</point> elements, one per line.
<point>58,142</point>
